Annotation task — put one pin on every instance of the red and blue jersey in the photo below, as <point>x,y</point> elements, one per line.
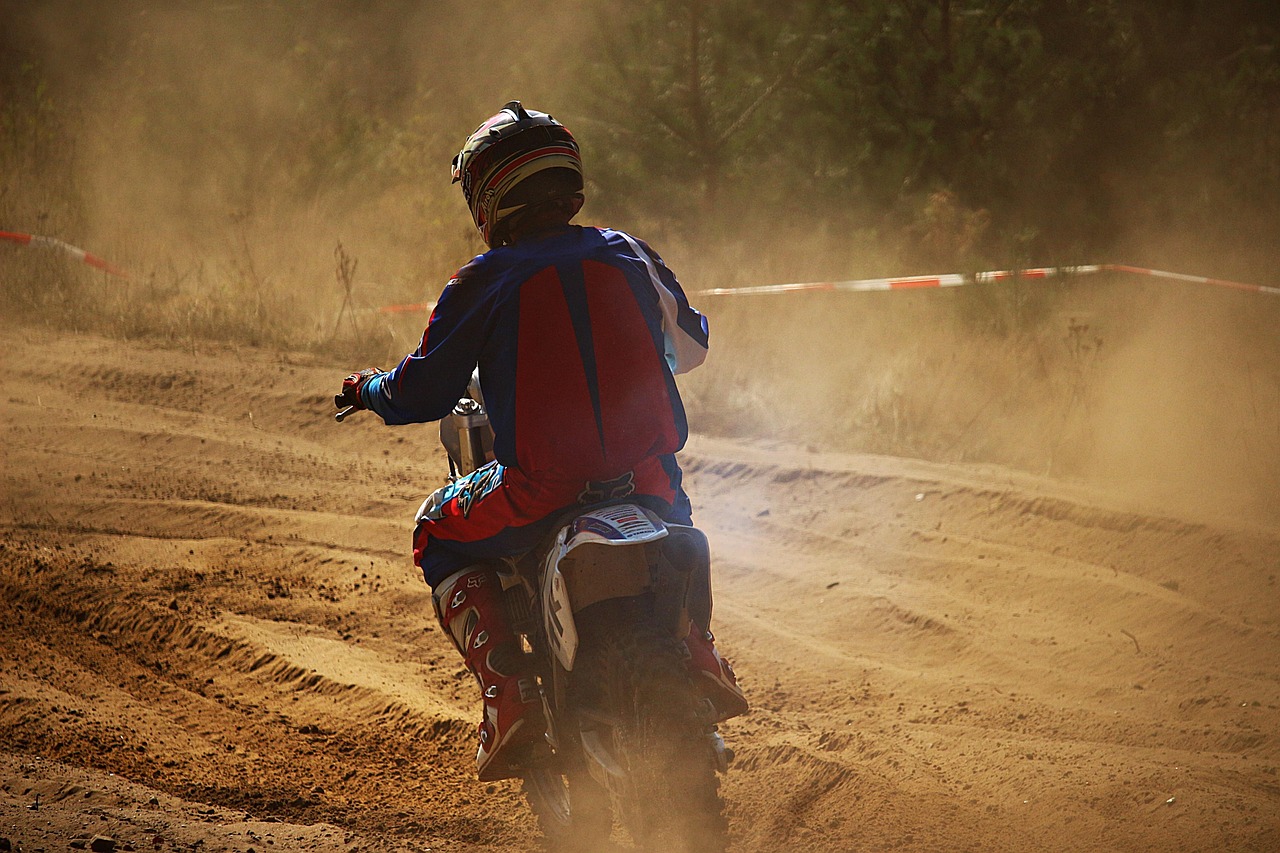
<point>578,335</point>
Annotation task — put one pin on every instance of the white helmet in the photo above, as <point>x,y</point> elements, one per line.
<point>516,159</point>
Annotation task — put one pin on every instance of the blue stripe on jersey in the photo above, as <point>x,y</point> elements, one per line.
<point>574,284</point>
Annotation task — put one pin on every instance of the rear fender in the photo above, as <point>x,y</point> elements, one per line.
<point>603,553</point>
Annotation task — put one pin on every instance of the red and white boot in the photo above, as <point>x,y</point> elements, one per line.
<point>471,610</point>
<point>713,675</point>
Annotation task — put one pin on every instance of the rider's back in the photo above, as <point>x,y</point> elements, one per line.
<point>573,365</point>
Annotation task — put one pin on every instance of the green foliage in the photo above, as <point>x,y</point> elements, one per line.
<point>962,133</point>
<point>690,91</point>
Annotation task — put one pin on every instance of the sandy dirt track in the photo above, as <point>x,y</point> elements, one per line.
<point>212,637</point>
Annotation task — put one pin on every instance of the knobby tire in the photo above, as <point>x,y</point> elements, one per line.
<point>660,738</point>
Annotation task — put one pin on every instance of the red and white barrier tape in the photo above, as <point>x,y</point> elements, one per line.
<point>77,253</point>
<point>1195,279</point>
<point>959,279</point>
<point>925,281</point>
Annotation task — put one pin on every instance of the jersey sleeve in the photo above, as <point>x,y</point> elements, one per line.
<point>685,331</point>
<point>427,384</point>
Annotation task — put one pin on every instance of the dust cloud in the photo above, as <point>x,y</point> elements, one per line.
<point>1189,406</point>
<point>232,145</point>
<point>1167,394</point>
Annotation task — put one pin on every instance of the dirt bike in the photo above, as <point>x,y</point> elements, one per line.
<point>602,609</point>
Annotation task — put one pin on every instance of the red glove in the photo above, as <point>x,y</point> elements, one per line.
<point>351,387</point>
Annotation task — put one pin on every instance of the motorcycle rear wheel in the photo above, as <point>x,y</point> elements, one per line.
<point>660,735</point>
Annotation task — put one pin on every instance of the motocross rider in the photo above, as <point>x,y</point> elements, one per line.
<point>578,333</point>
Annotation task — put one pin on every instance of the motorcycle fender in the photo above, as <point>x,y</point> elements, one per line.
<point>557,615</point>
<point>600,554</point>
